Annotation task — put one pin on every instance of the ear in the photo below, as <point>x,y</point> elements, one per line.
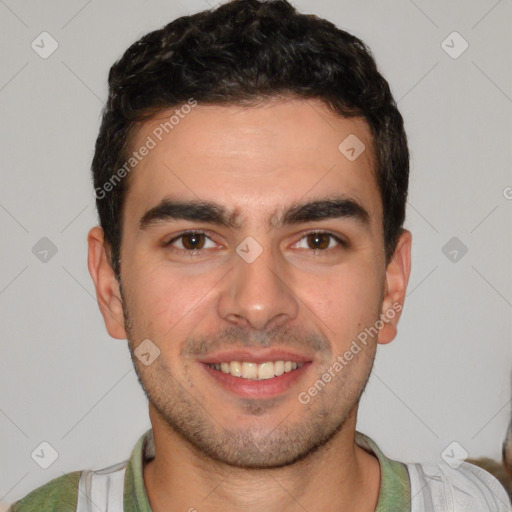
<point>397,277</point>
<point>105,282</point>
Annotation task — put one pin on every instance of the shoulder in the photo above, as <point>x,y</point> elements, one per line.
<point>465,488</point>
<point>59,494</point>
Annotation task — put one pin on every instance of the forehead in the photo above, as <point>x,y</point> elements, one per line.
<point>265,157</point>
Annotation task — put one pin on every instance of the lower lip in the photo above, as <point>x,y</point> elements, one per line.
<point>250,388</point>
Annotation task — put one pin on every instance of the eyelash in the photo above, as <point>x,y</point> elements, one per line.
<point>192,252</point>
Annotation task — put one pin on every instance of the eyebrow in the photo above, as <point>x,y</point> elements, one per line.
<point>338,207</point>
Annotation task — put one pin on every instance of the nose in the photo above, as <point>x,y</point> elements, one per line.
<point>258,293</point>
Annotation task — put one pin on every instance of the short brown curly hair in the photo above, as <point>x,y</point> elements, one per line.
<point>242,52</point>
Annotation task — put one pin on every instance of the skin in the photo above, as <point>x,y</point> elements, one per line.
<point>215,450</point>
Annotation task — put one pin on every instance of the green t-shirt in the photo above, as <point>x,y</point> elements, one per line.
<point>61,494</point>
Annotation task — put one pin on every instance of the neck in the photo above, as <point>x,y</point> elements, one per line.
<point>338,476</point>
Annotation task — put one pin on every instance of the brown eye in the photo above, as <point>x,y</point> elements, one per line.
<point>193,241</point>
<point>318,240</point>
<point>190,241</point>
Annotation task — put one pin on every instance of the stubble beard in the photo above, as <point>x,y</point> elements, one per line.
<point>257,447</point>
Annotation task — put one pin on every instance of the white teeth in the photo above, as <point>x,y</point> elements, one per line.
<point>278,368</point>
<point>255,371</point>
<point>249,370</point>
<point>235,368</point>
<point>265,371</point>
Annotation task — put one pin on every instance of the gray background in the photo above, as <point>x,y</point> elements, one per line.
<point>446,376</point>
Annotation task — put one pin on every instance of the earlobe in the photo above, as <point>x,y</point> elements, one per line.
<point>397,277</point>
<point>107,288</point>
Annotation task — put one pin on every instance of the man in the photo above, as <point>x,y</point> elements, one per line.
<point>251,176</point>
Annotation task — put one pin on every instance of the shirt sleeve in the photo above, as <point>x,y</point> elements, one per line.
<point>60,494</point>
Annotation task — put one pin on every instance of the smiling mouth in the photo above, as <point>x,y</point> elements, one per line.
<point>255,371</point>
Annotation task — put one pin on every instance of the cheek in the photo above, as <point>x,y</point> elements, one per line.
<point>346,301</point>
<point>165,301</point>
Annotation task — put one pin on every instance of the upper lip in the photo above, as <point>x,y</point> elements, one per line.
<point>258,357</point>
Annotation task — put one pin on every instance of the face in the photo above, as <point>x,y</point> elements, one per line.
<point>274,254</point>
